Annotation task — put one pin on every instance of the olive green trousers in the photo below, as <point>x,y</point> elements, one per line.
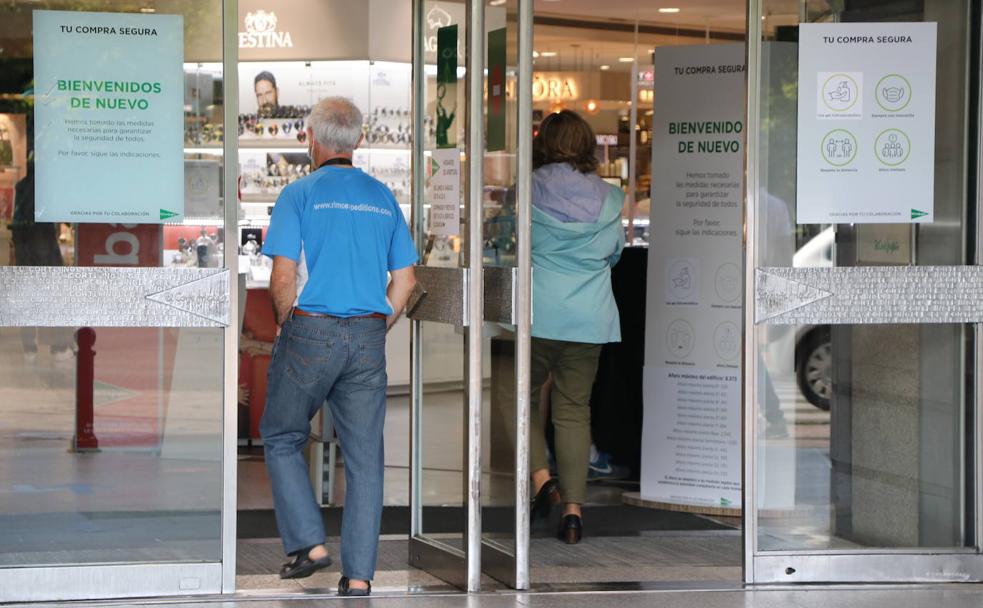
<point>573,366</point>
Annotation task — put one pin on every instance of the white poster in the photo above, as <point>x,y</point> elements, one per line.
<point>202,189</point>
<point>691,449</point>
<point>866,127</point>
<point>445,192</point>
<point>109,123</point>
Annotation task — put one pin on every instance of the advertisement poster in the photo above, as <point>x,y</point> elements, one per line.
<point>445,107</point>
<point>109,118</point>
<point>866,147</point>
<point>691,448</point>
<point>445,192</point>
<point>291,88</point>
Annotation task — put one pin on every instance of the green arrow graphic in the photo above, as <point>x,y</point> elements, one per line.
<point>166,215</point>
<point>915,214</point>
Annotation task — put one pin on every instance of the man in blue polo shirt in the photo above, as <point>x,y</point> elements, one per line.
<point>335,237</point>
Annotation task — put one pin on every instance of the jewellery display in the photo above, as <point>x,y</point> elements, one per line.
<point>202,133</point>
<point>274,124</point>
<point>387,126</point>
<point>264,181</point>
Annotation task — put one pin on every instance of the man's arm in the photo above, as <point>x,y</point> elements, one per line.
<point>399,290</point>
<point>283,287</point>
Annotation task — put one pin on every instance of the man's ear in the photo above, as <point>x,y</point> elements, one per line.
<point>361,140</point>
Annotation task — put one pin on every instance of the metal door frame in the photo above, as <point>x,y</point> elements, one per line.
<point>929,565</point>
<point>106,581</point>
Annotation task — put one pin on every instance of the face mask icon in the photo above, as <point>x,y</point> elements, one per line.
<point>893,94</point>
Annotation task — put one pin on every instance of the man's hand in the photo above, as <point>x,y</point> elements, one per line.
<point>399,290</point>
<point>283,288</point>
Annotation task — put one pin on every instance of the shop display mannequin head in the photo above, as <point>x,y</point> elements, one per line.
<point>267,94</point>
<point>334,130</point>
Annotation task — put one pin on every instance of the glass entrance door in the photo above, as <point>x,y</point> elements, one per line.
<point>446,371</point>
<point>470,312</point>
<point>117,340</point>
<point>862,403</point>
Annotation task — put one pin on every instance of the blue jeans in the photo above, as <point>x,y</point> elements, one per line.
<point>343,361</point>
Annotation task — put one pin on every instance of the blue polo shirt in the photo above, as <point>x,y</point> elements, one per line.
<point>345,231</point>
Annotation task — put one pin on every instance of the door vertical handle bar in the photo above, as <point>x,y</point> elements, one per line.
<point>476,283</point>
<point>230,177</point>
<point>417,221</point>
<point>523,309</point>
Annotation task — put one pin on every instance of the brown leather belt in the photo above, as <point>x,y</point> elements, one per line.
<point>304,313</point>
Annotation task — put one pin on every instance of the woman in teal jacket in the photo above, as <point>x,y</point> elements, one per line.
<point>577,236</point>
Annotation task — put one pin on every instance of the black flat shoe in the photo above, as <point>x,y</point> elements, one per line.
<point>542,504</point>
<point>572,529</point>
<point>345,588</point>
<point>303,566</point>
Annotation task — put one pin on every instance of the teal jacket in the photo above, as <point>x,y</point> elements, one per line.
<point>572,260</point>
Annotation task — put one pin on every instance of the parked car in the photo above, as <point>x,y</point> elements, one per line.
<point>813,344</point>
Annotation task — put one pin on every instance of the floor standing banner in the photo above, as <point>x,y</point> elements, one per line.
<point>691,448</point>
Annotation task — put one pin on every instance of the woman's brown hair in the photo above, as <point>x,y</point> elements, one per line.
<point>565,137</point>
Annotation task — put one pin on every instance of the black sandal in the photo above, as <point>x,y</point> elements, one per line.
<point>345,588</point>
<point>303,566</point>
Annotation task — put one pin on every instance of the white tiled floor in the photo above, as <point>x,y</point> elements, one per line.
<point>952,596</point>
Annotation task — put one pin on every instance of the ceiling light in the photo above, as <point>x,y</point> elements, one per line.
<point>626,59</point>
<point>668,10</point>
<point>605,67</point>
<point>496,3</point>
<point>548,54</point>
<point>535,54</point>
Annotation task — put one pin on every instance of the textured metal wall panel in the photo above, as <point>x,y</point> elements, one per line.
<point>869,295</point>
<point>500,294</point>
<point>113,297</point>
<point>440,296</point>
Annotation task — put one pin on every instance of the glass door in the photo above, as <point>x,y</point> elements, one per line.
<point>118,295</point>
<point>446,372</point>
<point>470,311</point>
<point>506,257</point>
<point>862,350</point>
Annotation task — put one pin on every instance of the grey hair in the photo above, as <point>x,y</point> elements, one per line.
<point>337,124</point>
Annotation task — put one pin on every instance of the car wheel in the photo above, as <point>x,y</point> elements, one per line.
<point>815,368</point>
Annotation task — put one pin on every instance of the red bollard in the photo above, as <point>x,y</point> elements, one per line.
<point>85,433</point>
